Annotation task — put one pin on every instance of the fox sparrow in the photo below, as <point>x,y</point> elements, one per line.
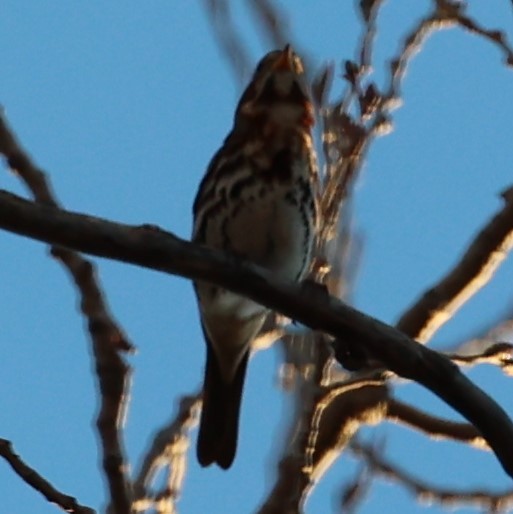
<point>256,201</point>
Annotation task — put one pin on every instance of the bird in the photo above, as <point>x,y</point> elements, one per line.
<point>257,201</point>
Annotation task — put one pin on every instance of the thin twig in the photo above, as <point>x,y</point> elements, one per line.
<point>353,493</point>
<point>273,21</point>
<point>493,501</point>
<point>484,256</point>
<point>497,354</point>
<point>229,40</point>
<point>38,483</point>
<point>451,11</point>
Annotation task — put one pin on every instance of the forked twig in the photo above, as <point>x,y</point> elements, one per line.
<point>167,450</point>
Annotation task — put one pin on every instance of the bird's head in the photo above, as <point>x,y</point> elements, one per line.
<point>277,91</point>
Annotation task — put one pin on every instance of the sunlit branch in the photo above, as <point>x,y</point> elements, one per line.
<point>497,354</point>
<point>434,427</point>
<point>425,492</point>
<point>446,14</point>
<point>304,354</point>
<point>168,450</point>
<point>474,270</point>
<point>442,301</point>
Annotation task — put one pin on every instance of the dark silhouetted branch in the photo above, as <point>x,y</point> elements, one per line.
<point>113,377</point>
<point>108,340</point>
<point>37,482</point>
<point>153,248</point>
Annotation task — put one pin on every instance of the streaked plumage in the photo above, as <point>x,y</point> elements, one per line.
<point>256,201</point>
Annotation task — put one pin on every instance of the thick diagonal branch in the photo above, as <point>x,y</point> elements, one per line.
<point>155,249</point>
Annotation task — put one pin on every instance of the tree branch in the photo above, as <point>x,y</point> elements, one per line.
<point>436,428</point>
<point>492,502</point>
<point>37,482</point>
<point>473,271</point>
<point>497,354</point>
<point>338,413</point>
<point>153,248</point>
<point>168,450</point>
<point>108,341</point>
<point>228,38</point>
<point>107,338</point>
<point>273,22</point>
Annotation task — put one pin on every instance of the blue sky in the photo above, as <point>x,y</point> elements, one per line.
<point>124,104</point>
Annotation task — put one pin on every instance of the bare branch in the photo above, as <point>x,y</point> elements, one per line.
<point>354,492</point>
<point>158,250</point>
<point>37,482</point>
<point>21,164</point>
<point>369,10</point>
<point>434,427</point>
<point>113,377</point>
<point>446,14</point>
<point>425,492</point>
<point>106,336</point>
<point>471,273</point>
<point>498,354</point>
<point>168,449</point>
<point>411,46</point>
<point>320,436</point>
<point>229,41</point>
<point>450,11</point>
<point>491,246</point>
<point>489,346</point>
<point>273,22</point>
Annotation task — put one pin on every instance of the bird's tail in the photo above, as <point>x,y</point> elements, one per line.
<point>219,424</point>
